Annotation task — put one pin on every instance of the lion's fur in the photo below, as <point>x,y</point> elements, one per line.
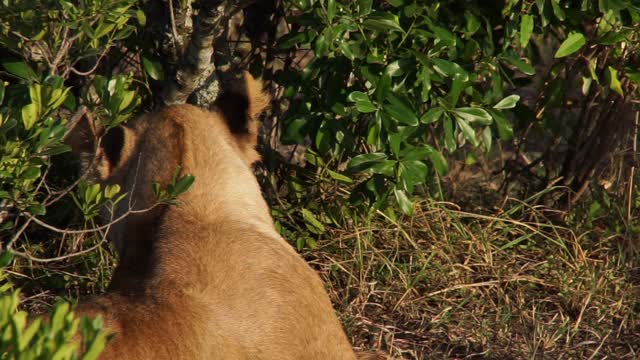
<point>210,278</point>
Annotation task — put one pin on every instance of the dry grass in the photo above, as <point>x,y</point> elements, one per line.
<point>451,284</point>
<point>445,284</point>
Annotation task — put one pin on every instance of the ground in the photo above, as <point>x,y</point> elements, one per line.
<point>456,280</point>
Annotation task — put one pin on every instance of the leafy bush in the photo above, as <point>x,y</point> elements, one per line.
<point>36,338</point>
<point>396,88</point>
<point>50,52</point>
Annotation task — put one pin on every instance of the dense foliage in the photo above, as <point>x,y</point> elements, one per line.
<point>396,87</point>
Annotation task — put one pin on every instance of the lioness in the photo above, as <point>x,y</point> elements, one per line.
<point>210,278</point>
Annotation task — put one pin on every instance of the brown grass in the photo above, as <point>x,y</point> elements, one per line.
<point>451,284</point>
<point>445,283</point>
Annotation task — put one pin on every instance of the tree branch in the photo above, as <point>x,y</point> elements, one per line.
<point>196,70</point>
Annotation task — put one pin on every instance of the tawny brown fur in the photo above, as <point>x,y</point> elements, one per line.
<point>210,278</point>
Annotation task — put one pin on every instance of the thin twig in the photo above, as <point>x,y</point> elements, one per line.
<point>174,40</point>
<point>18,233</point>
<point>85,231</point>
<point>634,149</point>
<point>95,66</point>
<point>68,256</point>
<point>58,258</point>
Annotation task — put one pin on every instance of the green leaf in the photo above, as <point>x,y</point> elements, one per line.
<point>615,37</point>
<point>339,177</point>
<point>472,24</point>
<point>526,29</point>
<point>35,93</point>
<point>31,173</point>
<point>127,98</point>
<point>183,185</point>
<point>557,10</point>
<point>634,76</point>
<point>302,4</point>
<point>1,92</point>
<point>290,40</point>
<point>91,193</point>
<point>507,103</point>
<point>411,173</point>
<point>439,162</point>
<point>60,311</point>
<point>586,84</point>
<point>153,68</point>
<point>363,104</point>
<point>382,22</point>
<point>383,87</point>
<point>432,115</point>
<point>614,82</point>
<point>505,131</point>
<point>487,139</point>
<point>29,115</point>
<point>470,114</point>
<point>311,243</point>
<point>395,141</point>
<point>443,35</point>
<point>449,69</point>
<point>313,223</point>
<point>403,200</point>
<point>331,9</point>
<point>347,48</point>
<point>37,209</point>
<point>64,351</point>
<point>400,111</point>
<point>111,190</point>
<point>142,18</point>
<point>449,139</point>
<point>418,153</point>
<point>296,132</point>
<point>467,131</point>
<point>6,258</point>
<point>519,64</point>
<point>365,161</point>
<point>20,69</point>
<point>29,333</point>
<point>456,88</point>
<point>574,42</point>
<point>437,159</point>
<point>103,29</point>
<point>321,45</point>
<point>96,347</point>
<point>384,167</point>
<point>364,7</point>
<point>59,98</point>
<point>396,68</point>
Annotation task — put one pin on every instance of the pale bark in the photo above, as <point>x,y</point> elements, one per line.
<point>196,70</point>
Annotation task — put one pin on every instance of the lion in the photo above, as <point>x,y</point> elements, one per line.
<point>210,278</point>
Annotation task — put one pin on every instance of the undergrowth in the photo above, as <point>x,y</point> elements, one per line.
<point>447,283</point>
<point>512,281</point>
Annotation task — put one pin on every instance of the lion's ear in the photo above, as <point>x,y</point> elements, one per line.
<point>240,105</point>
<point>86,135</point>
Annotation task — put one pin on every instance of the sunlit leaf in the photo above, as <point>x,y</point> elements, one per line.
<point>403,200</point>
<point>526,29</point>
<point>507,103</point>
<point>574,42</point>
<point>152,68</point>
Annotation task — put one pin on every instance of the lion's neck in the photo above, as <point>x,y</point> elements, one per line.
<point>215,202</point>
